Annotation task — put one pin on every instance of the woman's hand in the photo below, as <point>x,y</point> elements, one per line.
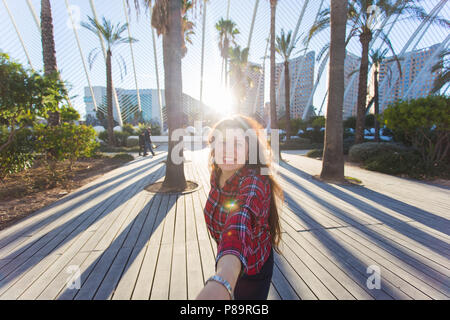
<point>228,267</point>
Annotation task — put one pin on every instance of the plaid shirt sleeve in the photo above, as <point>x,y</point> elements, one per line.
<point>237,232</point>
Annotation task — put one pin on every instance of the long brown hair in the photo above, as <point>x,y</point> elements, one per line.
<point>263,150</point>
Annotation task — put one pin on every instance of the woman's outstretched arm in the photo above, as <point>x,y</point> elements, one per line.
<point>228,268</point>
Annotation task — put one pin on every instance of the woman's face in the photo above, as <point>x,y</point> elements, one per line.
<point>232,153</point>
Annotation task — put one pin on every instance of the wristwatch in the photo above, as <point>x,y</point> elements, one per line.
<point>223,282</point>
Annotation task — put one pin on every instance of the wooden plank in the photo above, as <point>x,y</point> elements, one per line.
<point>411,285</point>
<point>146,276</point>
<point>127,283</point>
<point>178,279</point>
<point>283,286</point>
<point>97,232</point>
<point>273,294</point>
<point>350,283</point>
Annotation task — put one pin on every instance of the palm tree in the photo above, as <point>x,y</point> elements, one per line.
<point>112,35</point>
<point>48,50</point>
<point>227,33</point>
<point>167,19</point>
<point>360,17</point>
<point>377,57</point>
<point>273,103</point>
<point>239,67</point>
<point>444,72</point>
<point>284,46</point>
<point>187,26</point>
<point>333,156</point>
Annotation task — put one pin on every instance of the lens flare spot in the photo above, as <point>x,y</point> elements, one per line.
<point>230,204</point>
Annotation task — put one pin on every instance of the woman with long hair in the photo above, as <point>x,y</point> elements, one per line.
<point>241,211</point>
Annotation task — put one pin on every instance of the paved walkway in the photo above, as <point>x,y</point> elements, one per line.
<point>125,243</point>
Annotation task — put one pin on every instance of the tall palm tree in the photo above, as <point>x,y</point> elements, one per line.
<point>333,156</point>
<point>284,46</point>
<point>187,26</point>
<point>48,50</point>
<point>444,72</point>
<point>112,35</point>
<point>167,19</point>
<point>273,103</point>
<point>227,33</point>
<point>240,80</point>
<point>360,18</point>
<point>377,57</point>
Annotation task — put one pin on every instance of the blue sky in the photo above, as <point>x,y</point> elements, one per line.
<point>69,61</point>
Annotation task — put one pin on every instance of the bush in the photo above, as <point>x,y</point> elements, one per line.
<point>368,150</point>
<point>423,123</point>
<point>394,162</point>
<point>299,144</point>
<point>315,136</point>
<point>18,155</point>
<point>64,142</point>
<point>103,136</point>
<point>121,138</point>
<point>350,123</point>
<point>123,156</point>
<point>315,153</point>
<point>129,129</point>
<point>132,141</point>
<point>348,143</point>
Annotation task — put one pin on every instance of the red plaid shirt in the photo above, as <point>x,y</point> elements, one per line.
<point>237,217</point>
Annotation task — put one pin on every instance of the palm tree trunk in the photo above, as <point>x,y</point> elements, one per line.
<point>174,178</point>
<point>365,39</point>
<point>333,156</point>
<point>377,108</point>
<point>287,91</point>
<point>273,105</point>
<point>48,50</point>
<point>109,100</point>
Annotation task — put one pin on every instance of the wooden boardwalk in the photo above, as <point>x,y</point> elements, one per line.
<point>125,243</point>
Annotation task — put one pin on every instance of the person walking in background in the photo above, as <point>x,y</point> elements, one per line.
<point>141,143</point>
<point>148,142</point>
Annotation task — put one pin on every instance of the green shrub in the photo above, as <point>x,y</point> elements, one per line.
<point>123,156</point>
<point>64,142</point>
<point>103,136</point>
<point>121,138</point>
<point>315,153</point>
<point>315,136</point>
<point>129,129</point>
<point>368,150</point>
<point>299,144</point>
<point>69,114</point>
<point>18,155</point>
<point>132,141</point>
<point>423,123</point>
<point>348,143</point>
<point>396,162</point>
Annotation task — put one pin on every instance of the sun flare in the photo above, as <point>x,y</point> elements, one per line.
<point>220,99</point>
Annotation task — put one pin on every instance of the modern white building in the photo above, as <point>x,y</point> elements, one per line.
<point>352,62</point>
<point>151,109</point>
<point>393,87</point>
<point>301,73</point>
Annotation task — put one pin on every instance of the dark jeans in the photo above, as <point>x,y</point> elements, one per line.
<point>148,146</point>
<point>255,287</point>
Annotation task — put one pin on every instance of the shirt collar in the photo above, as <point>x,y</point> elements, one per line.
<point>231,181</point>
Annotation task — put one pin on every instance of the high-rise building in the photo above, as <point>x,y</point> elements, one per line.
<point>301,73</point>
<point>254,97</point>
<point>393,87</point>
<point>151,110</point>
<point>351,78</point>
